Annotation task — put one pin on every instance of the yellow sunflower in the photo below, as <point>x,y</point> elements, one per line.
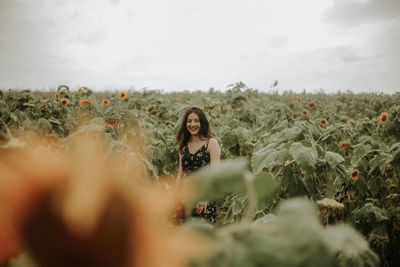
<point>64,101</point>
<point>311,105</point>
<point>344,145</point>
<point>304,112</point>
<point>383,117</point>
<point>323,122</point>
<point>354,175</point>
<point>106,102</point>
<point>299,100</point>
<point>85,102</point>
<point>123,95</point>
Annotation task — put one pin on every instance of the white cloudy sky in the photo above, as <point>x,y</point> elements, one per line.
<point>185,44</point>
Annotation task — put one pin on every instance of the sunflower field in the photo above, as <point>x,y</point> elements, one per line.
<point>88,179</point>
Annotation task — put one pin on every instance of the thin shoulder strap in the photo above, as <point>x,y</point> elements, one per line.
<point>206,144</point>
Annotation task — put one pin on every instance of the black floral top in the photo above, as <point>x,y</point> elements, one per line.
<point>192,162</point>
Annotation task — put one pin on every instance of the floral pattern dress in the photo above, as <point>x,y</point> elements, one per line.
<point>192,162</point>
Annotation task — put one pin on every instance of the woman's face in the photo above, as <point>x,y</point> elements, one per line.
<point>193,124</point>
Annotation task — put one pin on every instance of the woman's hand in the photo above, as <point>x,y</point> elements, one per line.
<point>201,207</point>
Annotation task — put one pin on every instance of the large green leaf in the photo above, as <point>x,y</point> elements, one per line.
<point>306,157</point>
<point>333,158</point>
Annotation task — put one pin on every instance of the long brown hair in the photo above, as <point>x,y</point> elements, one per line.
<point>183,135</point>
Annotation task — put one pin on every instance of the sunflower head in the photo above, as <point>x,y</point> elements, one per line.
<point>348,122</point>
<point>383,117</point>
<point>152,109</point>
<point>357,115</point>
<point>122,95</point>
<point>344,145</point>
<point>80,90</point>
<point>106,102</point>
<point>64,101</point>
<point>354,175</point>
<point>57,95</point>
<point>85,102</point>
<point>375,121</point>
<point>311,105</point>
<point>323,122</point>
<point>44,105</point>
<point>304,112</point>
<point>366,119</point>
<point>299,100</point>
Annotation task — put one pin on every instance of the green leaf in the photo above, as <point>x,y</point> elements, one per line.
<point>212,182</point>
<point>268,157</point>
<point>333,159</point>
<point>306,157</point>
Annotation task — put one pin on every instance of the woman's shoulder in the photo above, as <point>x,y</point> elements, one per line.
<point>213,142</point>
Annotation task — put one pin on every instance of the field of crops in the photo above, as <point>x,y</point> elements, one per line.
<point>87,179</point>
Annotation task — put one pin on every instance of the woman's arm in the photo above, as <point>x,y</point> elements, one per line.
<point>180,172</point>
<point>215,151</point>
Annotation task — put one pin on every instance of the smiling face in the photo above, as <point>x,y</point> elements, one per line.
<point>193,124</point>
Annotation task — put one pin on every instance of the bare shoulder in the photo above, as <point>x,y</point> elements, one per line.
<point>213,142</point>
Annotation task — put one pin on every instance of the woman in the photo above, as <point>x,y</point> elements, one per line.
<point>197,148</point>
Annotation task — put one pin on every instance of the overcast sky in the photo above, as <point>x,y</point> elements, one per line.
<point>184,44</point>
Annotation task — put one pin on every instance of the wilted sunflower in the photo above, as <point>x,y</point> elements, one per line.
<point>357,115</point>
<point>354,175</point>
<point>123,95</point>
<point>152,109</point>
<point>323,122</point>
<point>64,101</point>
<point>85,102</point>
<point>383,117</point>
<point>344,144</point>
<point>311,105</point>
<point>106,102</point>
<point>299,100</point>
<point>366,119</point>
<point>44,105</point>
<point>80,90</point>
<point>374,121</point>
<point>113,123</point>
<point>304,112</point>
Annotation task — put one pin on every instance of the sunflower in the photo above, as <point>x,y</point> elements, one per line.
<point>374,121</point>
<point>44,105</point>
<point>80,90</point>
<point>57,95</point>
<point>366,119</point>
<point>311,105</point>
<point>354,175</point>
<point>106,102</point>
<point>85,102</point>
<point>348,122</point>
<point>323,122</point>
<point>123,95</point>
<point>152,109</point>
<point>383,117</point>
<point>112,123</point>
<point>64,101</point>
<point>299,100</point>
<point>357,115</point>
<point>304,112</point>
<point>344,144</point>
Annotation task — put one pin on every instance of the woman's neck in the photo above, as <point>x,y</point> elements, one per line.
<point>195,138</point>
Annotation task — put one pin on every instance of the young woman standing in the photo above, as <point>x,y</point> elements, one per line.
<point>197,148</point>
